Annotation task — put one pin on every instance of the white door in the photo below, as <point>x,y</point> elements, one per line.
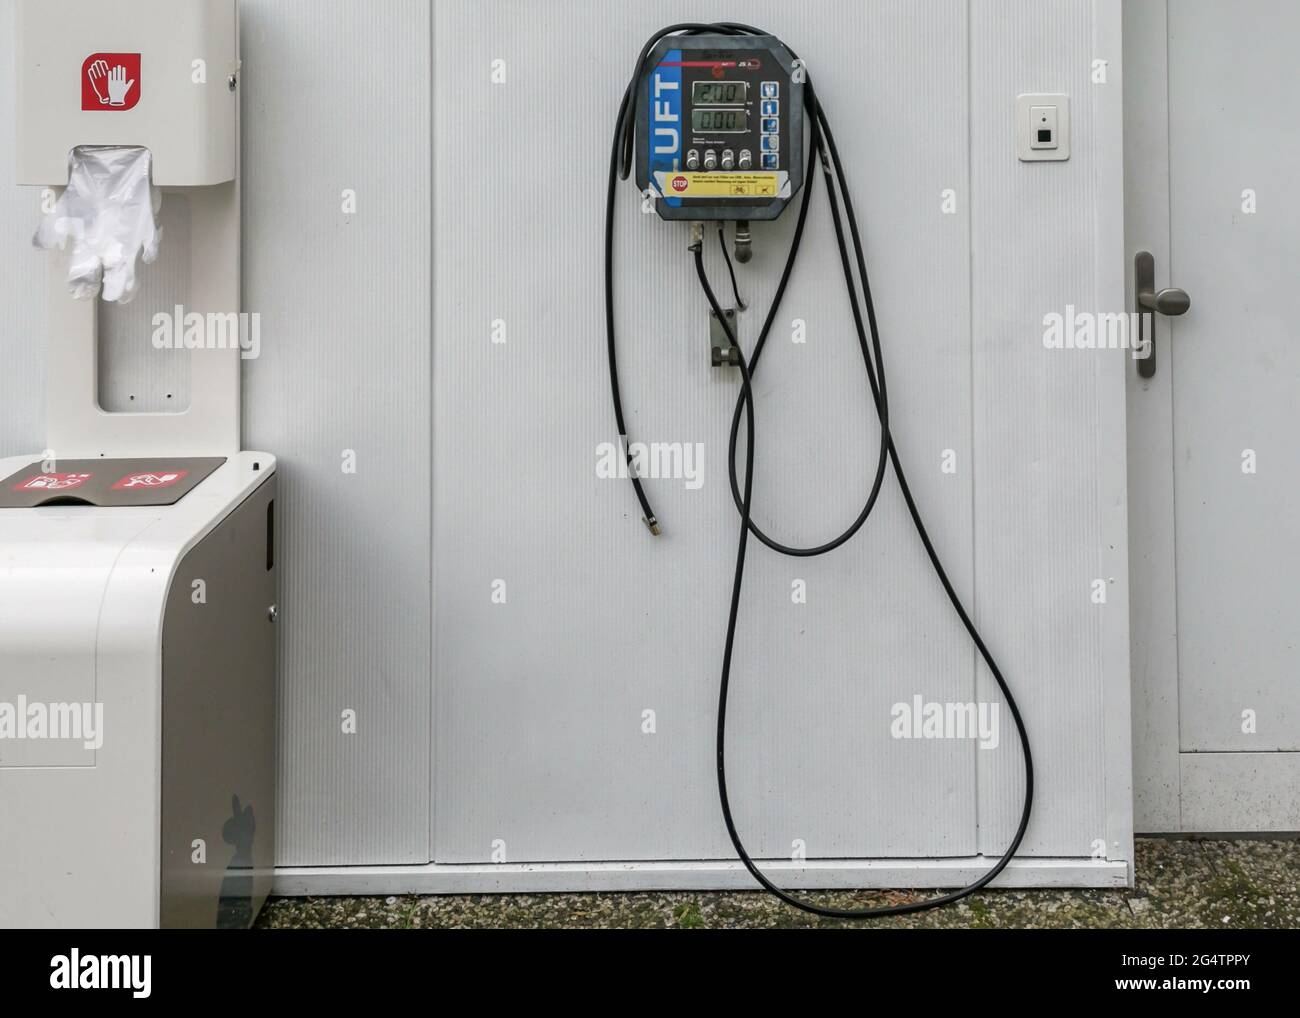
<point>1212,165</point>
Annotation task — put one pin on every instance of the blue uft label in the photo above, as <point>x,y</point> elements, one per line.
<point>666,116</point>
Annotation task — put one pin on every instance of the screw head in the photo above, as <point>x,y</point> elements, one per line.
<point>233,82</point>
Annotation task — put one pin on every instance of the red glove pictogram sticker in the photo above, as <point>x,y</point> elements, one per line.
<point>110,82</point>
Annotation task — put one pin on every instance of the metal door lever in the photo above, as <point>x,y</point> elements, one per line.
<point>1170,301</point>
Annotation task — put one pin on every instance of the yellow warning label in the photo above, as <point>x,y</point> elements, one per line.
<point>721,185</point>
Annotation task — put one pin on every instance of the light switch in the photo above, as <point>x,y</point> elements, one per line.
<point>1043,127</point>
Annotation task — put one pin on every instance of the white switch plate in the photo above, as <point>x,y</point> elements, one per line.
<point>1042,111</point>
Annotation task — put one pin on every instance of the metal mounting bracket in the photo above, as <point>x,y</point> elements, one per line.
<point>725,353</point>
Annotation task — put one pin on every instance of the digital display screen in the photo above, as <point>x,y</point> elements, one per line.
<point>704,93</point>
<point>719,121</point>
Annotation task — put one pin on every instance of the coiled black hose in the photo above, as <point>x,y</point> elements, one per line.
<point>822,149</point>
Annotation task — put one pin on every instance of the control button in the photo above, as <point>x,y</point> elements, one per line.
<point>746,159</point>
<point>728,159</point>
<point>771,125</point>
<point>1044,118</point>
<point>693,159</point>
<point>771,107</point>
<point>710,160</point>
<point>771,161</point>
<point>771,142</point>
<point>770,89</point>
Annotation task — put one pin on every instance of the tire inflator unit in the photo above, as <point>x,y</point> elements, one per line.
<point>137,552</point>
<point>716,116</point>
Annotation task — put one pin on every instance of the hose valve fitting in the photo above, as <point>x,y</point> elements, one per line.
<point>744,242</point>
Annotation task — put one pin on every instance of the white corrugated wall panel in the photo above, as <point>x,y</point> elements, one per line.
<point>336,99</point>
<point>1039,454</point>
<point>539,741</point>
<point>23,306</point>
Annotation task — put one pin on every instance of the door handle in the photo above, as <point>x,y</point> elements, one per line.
<point>1170,301</point>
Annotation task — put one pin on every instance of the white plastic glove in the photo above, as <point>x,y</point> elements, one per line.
<point>108,212</point>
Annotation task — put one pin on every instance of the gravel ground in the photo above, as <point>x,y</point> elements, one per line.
<point>1228,884</point>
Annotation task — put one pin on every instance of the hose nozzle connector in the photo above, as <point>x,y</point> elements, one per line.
<point>652,525</point>
<point>744,242</point>
<point>697,237</point>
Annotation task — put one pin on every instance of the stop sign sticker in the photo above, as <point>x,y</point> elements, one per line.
<point>680,183</point>
<point>110,82</point>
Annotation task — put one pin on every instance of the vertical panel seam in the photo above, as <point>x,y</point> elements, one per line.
<point>1173,466</point>
<point>970,374</point>
<point>431,759</point>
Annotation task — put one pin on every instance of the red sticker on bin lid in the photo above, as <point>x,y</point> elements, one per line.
<point>53,482</point>
<point>110,82</point>
<point>151,480</point>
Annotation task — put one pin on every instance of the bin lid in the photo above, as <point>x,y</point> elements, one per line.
<point>108,483</point>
